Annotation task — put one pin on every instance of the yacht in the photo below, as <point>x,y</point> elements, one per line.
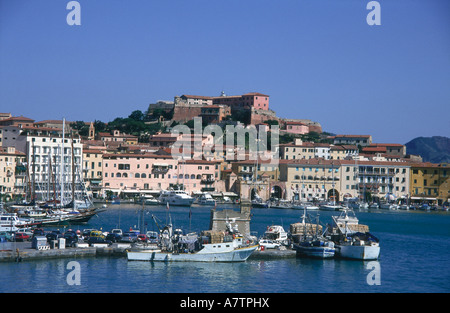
<point>276,233</point>
<point>10,222</point>
<point>305,205</point>
<point>175,197</point>
<point>206,199</point>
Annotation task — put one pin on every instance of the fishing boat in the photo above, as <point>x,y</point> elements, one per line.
<point>175,197</point>
<point>312,243</point>
<point>353,240</point>
<point>231,247</point>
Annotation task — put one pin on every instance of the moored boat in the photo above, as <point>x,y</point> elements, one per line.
<point>231,247</point>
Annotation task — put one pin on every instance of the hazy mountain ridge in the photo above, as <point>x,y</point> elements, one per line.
<point>434,149</point>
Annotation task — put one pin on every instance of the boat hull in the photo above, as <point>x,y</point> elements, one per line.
<point>371,252</point>
<point>315,252</point>
<point>235,255</point>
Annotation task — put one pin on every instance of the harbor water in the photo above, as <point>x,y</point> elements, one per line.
<point>414,259</point>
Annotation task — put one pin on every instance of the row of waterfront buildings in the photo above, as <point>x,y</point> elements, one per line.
<point>37,158</point>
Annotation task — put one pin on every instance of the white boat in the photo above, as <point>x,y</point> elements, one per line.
<point>374,206</point>
<point>277,234</point>
<point>149,200</point>
<point>331,206</point>
<point>360,246</point>
<point>305,205</point>
<point>175,197</point>
<point>178,248</point>
<point>388,206</point>
<point>353,240</point>
<point>206,199</point>
<point>10,222</point>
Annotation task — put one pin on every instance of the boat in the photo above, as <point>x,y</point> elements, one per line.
<point>10,222</point>
<point>353,240</point>
<point>374,205</point>
<point>206,199</point>
<point>305,205</point>
<point>313,243</point>
<point>315,248</point>
<point>229,247</point>
<point>148,200</point>
<point>276,233</point>
<point>388,206</point>
<point>331,206</point>
<point>281,204</point>
<point>175,197</point>
<point>359,246</point>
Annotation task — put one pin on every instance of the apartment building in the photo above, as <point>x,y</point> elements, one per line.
<point>152,172</point>
<point>12,173</point>
<point>430,183</point>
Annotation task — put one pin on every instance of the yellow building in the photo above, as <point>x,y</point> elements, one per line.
<point>93,170</point>
<point>12,173</point>
<point>430,183</point>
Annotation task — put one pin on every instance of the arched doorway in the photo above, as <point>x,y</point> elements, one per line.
<point>277,192</point>
<point>333,194</point>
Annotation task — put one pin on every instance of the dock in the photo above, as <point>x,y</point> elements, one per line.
<point>22,251</point>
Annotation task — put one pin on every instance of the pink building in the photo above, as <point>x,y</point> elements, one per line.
<point>254,100</point>
<point>144,172</point>
<point>297,128</point>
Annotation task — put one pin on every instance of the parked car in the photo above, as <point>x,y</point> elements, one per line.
<point>54,235</point>
<point>29,232</point>
<point>97,239</point>
<point>129,237</point>
<point>21,237</point>
<point>6,236</point>
<point>38,232</point>
<point>71,238</point>
<point>114,237</point>
<point>142,238</point>
<point>269,244</point>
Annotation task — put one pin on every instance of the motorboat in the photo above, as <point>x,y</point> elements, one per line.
<point>149,200</point>
<point>10,222</point>
<point>331,206</point>
<point>175,197</point>
<point>206,199</point>
<point>374,206</point>
<point>305,205</point>
<point>388,206</point>
<point>277,234</point>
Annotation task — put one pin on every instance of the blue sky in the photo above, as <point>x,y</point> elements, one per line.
<point>317,59</point>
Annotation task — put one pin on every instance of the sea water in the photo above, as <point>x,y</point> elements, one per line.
<point>414,257</point>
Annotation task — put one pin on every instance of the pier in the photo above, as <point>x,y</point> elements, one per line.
<point>22,251</point>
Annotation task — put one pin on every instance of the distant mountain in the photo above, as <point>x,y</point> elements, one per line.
<point>434,149</point>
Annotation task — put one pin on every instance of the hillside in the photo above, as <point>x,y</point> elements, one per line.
<point>434,149</point>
